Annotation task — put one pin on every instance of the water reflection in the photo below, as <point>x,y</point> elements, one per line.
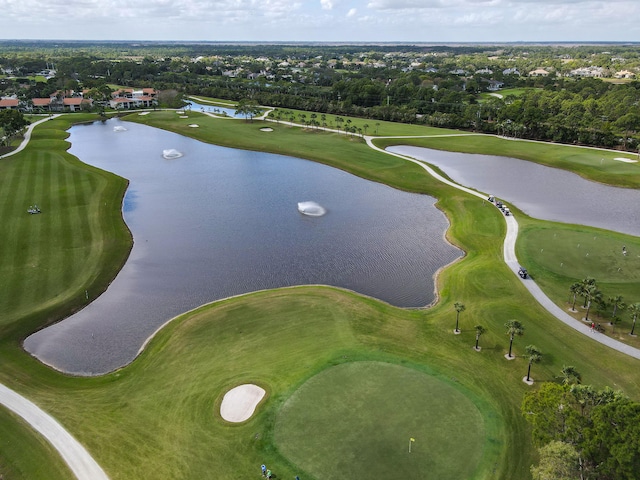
<point>220,222</point>
<point>541,192</point>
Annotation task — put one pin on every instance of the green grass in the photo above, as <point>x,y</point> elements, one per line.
<point>158,417</point>
<point>558,255</point>
<point>49,258</point>
<point>358,418</point>
<point>25,454</point>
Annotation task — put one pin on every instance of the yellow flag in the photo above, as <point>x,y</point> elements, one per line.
<point>412,439</point>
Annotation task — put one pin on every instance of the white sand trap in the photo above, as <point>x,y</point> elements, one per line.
<point>194,125</point>
<point>626,160</point>
<point>180,112</point>
<point>184,116</point>
<point>143,113</point>
<point>239,403</point>
<point>266,129</point>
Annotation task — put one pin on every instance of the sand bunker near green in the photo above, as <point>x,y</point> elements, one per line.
<point>239,403</point>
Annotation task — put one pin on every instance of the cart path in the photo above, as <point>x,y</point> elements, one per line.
<point>81,463</point>
<point>509,254</point>
<point>27,135</point>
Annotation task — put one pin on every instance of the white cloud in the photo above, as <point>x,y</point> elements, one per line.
<point>297,20</point>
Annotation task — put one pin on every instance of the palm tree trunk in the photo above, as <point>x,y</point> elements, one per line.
<point>477,338</point>
<point>510,344</point>
<point>529,371</point>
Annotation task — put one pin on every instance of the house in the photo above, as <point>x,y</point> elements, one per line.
<point>494,85</point>
<point>625,74</point>
<point>511,71</point>
<point>9,103</point>
<point>41,103</point>
<point>130,98</point>
<point>75,104</point>
<point>538,72</point>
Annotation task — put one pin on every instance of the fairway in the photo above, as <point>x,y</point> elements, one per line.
<point>356,420</point>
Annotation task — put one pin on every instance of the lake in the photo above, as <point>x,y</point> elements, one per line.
<point>217,222</point>
<point>539,191</point>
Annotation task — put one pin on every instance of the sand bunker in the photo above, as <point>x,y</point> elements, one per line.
<point>266,129</point>
<point>194,125</point>
<point>184,116</point>
<point>143,113</point>
<point>180,112</point>
<point>239,403</point>
<point>626,160</point>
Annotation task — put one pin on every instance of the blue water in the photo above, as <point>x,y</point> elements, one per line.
<point>218,222</point>
<point>215,109</point>
<point>540,191</point>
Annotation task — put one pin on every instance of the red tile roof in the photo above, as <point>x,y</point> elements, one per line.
<point>41,102</point>
<point>8,102</point>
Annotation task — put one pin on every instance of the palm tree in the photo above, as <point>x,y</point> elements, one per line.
<point>583,291</point>
<point>634,308</point>
<point>591,294</point>
<point>365,126</point>
<point>570,376</point>
<point>377,126</point>
<point>617,303</point>
<point>514,327</point>
<point>459,308</point>
<point>534,357</point>
<point>339,121</point>
<point>479,331</point>
<point>575,289</point>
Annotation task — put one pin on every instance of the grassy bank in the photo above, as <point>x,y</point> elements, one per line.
<point>157,418</point>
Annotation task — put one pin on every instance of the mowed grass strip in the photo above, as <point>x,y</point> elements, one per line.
<point>362,417</point>
<point>57,254</point>
<point>24,454</point>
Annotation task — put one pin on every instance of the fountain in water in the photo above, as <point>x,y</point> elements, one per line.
<point>171,153</point>
<point>119,128</point>
<point>311,208</point>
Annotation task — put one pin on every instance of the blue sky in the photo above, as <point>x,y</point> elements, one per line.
<point>323,20</point>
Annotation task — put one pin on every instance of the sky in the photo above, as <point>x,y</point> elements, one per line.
<point>323,20</point>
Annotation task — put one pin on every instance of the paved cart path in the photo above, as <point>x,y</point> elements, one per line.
<point>81,463</point>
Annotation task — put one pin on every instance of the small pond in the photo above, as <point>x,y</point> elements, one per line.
<point>209,108</point>
<point>209,222</point>
<point>539,191</point>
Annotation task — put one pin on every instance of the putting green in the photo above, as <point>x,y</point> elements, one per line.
<point>356,420</point>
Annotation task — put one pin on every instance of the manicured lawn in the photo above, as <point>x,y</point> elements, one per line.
<point>557,255</point>
<point>158,417</point>
<point>358,418</point>
<point>25,454</point>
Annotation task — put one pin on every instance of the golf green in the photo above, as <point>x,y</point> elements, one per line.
<point>356,421</point>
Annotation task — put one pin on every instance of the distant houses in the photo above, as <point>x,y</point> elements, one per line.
<point>127,98</point>
<point>70,101</point>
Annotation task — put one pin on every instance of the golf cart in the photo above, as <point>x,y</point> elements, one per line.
<point>522,272</point>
